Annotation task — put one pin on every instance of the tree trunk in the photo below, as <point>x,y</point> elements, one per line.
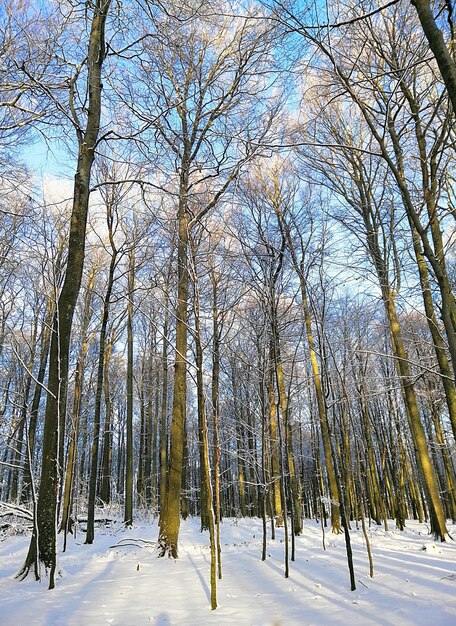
<point>106,457</point>
<point>44,355</point>
<point>164,411</point>
<point>215,416</point>
<point>438,46</point>
<point>438,524</point>
<point>90,535</point>
<point>208,503</point>
<point>129,448</point>
<point>170,519</point>
<point>43,547</point>
<point>66,523</point>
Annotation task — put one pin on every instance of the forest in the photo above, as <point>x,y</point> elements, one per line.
<point>227,271</point>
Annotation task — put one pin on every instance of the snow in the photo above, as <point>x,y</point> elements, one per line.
<point>127,585</point>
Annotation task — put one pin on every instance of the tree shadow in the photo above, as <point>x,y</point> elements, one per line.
<point>201,577</point>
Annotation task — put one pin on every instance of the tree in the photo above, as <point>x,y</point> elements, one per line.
<point>113,196</point>
<point>197,85</point>
<point>281,190</point>
<point>43,547</point>
<point>361,181</point>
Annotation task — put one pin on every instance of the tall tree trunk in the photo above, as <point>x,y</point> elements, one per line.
<point>44,355</point>
<point>43,545</point>
<point>283,400</point>
<point>274,440</point>
<point>216,331</point>
<point>66,522</point>
<point>23,430</point>
<point>150,454</point>
<point>372,485</point>
<point>209,502</point>
<point>170,519</point>
<point>438,524</point>
<point>106,457</point>
<point>164,409</point>
<point>90,534</point>
<point>143,430</point>
<point>129,448</point>
<point>204,510</point>
<point>240,462</point>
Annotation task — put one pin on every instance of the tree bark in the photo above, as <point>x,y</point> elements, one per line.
<point>170,520</point>
<point>129,448</point>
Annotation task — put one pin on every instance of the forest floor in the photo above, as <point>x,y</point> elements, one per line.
<point>127,585</point>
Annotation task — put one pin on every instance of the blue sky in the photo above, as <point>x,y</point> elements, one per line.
<point>48,158</point>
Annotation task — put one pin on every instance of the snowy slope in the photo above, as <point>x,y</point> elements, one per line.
<point>128,586</point>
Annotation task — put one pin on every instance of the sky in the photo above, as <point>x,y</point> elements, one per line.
<point>48,159</point>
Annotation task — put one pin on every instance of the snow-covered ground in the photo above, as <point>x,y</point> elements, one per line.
<point>414,580</point>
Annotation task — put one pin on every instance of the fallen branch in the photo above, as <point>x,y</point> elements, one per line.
<point>134,542</point>
<point>15,511</point>
<point>98,520</point>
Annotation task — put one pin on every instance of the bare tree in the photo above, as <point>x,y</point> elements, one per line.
<point>43,547</point>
